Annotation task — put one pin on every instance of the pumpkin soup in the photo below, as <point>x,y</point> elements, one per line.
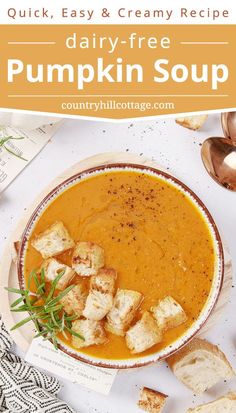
<point>152,235</point>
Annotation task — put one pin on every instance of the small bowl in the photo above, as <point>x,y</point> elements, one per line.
<point>140,360</point>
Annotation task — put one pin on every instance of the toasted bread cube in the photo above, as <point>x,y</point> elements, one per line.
<point>192,122</point>
<point>143,335</point>
<point>74,301</point>
<point>151,400</point>
<point>115,329</point>
<point>104,281</point>
<point>100,298</point>
<point>125,306</point>
<point>168,313</point>
<point>92,331</point>
<point>52,268</point>
<point>87,258</point>
<point>97,305</point>
<point>55,240</point>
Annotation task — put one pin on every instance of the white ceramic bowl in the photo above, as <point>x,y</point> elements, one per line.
<point>218,272</point>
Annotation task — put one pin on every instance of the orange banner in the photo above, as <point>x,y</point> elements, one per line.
<point>117,71</point>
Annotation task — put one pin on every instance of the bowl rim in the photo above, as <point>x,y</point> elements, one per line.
<point>155,171</point>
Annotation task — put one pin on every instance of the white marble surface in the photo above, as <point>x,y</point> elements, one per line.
<point>175,148</point>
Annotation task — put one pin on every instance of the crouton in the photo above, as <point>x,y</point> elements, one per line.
<point>55,240</point>
<point>200,365</point>
<point>192,122</point>
<point>100,298</point>
<point>97,305</point>
<point>74,301</point>
<point>104,281</point>
<point>52,268</point>
<point>151,400</point>
<point>92,332</point>
<point>125,306</point>
<point>168,313</point>
<point>143,335</point>
<point>226,404</point>
<point>87,259</point>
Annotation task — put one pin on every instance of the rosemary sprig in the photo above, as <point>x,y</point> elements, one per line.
<point>45,309</point>
<point>3,142</point>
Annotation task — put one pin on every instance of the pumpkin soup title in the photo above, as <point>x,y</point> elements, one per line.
<point>117,69</point>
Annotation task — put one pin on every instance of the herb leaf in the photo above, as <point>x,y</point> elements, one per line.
<point>61,295</point>
<point>22,322</point>
<point>16,302</point>
<point>16,291</point>
<point>53,287</point>
<point>73,333</point>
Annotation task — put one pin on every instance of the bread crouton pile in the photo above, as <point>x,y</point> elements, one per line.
<point>103,308</point>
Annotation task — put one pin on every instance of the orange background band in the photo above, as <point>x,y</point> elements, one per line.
<point>156,98</point>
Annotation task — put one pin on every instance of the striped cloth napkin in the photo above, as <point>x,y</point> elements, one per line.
<point>24,389</point>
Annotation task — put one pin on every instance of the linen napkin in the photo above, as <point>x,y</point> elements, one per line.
<point>24,389</point>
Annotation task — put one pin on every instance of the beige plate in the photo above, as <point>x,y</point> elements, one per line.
<point>8,273</point>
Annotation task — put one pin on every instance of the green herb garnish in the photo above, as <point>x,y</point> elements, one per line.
<point>6,139</point>
<point>45,309</point>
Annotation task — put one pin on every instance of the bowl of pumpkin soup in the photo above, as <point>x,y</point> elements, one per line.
<point>120,266</point>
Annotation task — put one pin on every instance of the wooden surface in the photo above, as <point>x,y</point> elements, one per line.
<point>8,273</point>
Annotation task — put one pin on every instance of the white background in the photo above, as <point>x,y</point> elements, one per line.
<point>173,147</point>
<point>113,6</point>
